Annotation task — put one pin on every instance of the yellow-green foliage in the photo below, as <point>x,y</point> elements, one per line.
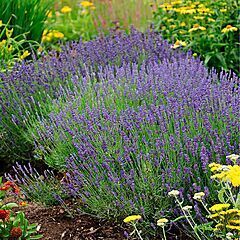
<point>209,28</point>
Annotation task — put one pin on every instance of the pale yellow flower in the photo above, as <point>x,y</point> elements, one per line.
<point>162,222</point>
<point>174,193</point>
<point>199,196</point>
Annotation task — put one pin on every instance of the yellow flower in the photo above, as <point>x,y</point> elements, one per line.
<point>176,2</point>
<point>197,27</point>
<point>86,4</point>
<point>1,23</point>
<point>233,175</point>
<point>223,10</point>
<point>49,15</point>
<point>66,9</point>
<point>233,227</point>
<point>10,48</point>
<point>172,26</point>
<point>9,32</point>
<point>235,221</point>
<point>198,17</point>
<point>178,44</point>
<point>219,207</point>
<point>219,226</point>
<point>2,43</point>
<point>195,55</point>
<point>182,24</point>
<point>229,28</point>
<point>162,222</point>
<point>215,215</point>
<point>132,218</point>
<point>211,20</point>
<point>57,34</point>
<point>25,54</point>
<point>232,211</point>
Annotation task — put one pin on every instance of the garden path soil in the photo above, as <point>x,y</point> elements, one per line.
<point>54,224</point>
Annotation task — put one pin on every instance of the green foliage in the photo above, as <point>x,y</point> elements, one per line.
<point>209,28</point>
<point>73,22</point>
<point>26,16</point>
<point>14,225</point>
<point>12,48</point>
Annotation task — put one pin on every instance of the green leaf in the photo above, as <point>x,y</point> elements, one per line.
<point>9,206</point>
<point>221,195</point>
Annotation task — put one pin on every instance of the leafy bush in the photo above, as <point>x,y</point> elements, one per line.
<point>29,89</point>
<point>209,28</point>
<point>143,131</point>
<point>25,16</point>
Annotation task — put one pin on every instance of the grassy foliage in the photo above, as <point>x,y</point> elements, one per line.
<point>209,28</point>
<point>25,16</point>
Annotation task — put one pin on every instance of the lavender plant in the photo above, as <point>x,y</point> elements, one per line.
<point>41,188</point>
<point>28,90</point>
<point>149,129</point>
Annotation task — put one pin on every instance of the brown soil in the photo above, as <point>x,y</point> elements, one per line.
<point>56,225</point>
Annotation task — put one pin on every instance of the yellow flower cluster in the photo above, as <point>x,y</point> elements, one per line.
<point>186,8</point>
<point>196,27</point>
<point>86,4</point>
<point>48,36</point>
<point>178,44</point>
<point>226,173</point>
<point>229,218</point>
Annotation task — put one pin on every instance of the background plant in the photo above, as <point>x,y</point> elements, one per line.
<point>25,16</point>
<point>209,28</point>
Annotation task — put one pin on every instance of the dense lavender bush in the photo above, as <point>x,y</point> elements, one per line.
<point>29,89</point>
<point>142,132</point>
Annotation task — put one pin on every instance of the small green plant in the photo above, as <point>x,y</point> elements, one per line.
<point>208,28</point>
<point>14,225</point>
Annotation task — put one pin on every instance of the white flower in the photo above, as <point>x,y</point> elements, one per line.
<point>198,196</point>
<point>187,208</point>
<point>229,236</point>
<point>174,193</point>
<point>233,157</point>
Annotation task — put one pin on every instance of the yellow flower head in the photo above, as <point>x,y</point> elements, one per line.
<point>233,227</point>
<point>229,28</point>
<point>162,222</point>
<point>132,218</point>
<point>197,27</point>
<point>1,23</point>
<point>178,44</point>
<point>25,54</point>
<point>86,4</point>
<point>57,34</point>
<point>9,32</point>
<point>219,207</point>
<point>198,17</point>
<point>233,175</point>
<point>66,9</point>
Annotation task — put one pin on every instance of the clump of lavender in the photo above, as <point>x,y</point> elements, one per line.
<point>151,129</point>
<point>27,91</point>
<point>41,188</point>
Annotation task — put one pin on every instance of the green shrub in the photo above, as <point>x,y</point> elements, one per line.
<point>209,28</point>
<point>26,16</point>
